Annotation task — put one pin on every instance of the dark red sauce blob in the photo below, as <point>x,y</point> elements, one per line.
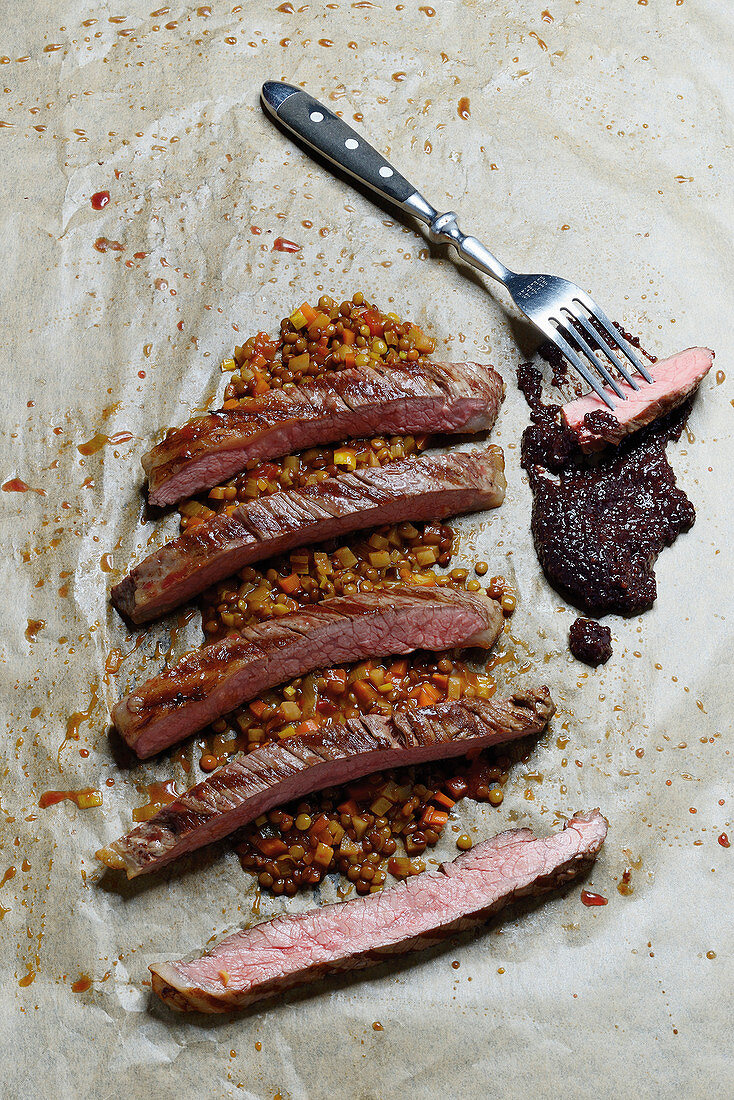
<point>599,523</point>
<point>100,200</point>
<point>593,899</point>
<point>590,641</point>
<point>280,244</point>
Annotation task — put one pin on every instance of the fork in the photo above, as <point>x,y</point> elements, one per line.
<point>565,314</point>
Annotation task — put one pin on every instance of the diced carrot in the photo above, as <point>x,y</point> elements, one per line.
<point>323,855</point>
<point>231,403</point>
<point>398,669</point>
<point>290,584</point>
<point>434,817</point>
<point>441,680</point>
<point>350,359</point>
<point>349,336</point>
<point>371,318</point>
<point>336,681</point>
<point>365,693</point>
<point>442,799</point>
<point>308,312</point>
<point>309,726</point>
<point>349,807</point>
<point>428,694</point>
<point>272,846</point>
<point>258,708</point>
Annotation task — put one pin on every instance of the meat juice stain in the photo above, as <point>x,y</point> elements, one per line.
<point>105,563</point>
<point>104,244</point>
<point>624,887</point>
<point>724,841</point>
<point>75,720</point>
<point>159,795</point>
<point>590,899</point>
<point>281,244</point>
<point>84,799</point>
<point>463,108</point>
<point>100,199</point>
<point>82,984</point>
<point>9,874</point>
<point>33,628</point>
<point>15,485</point>
<point>29,978</point>
<point>98,441</point>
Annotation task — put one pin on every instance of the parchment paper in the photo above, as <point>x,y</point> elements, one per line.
<point>597,145</point>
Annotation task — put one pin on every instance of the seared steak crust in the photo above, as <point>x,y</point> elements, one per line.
<point>428,487</point>
<point>253,783</point>
<point>216,679</point>
<point>346,404</point>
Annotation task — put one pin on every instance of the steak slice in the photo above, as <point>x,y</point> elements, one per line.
<point>292,950</point>
<point>214,680</point>
<point>276,773</point>
<point>674,379</point>
<point>429,487</point>
<point>346,404</point>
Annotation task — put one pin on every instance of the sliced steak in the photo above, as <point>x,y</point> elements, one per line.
<point>276,773</point>
<point>429,487</point>
<point>214,680</point>
<point>674,379</point>
<point>347,404</point>
<point>288,951</point>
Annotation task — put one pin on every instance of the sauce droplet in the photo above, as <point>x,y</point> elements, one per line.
<point>98,441</point>
<point>82,984</point>
<point>593,899</point>
<point>10,873</point>
<point>463,107</point>
<point>85,800</point>
<point>100,200</point>
<point>34,625</point>
<point>104,244</point>
<point>724,841</point>
<point>15,485</point>
<point>280,244</point>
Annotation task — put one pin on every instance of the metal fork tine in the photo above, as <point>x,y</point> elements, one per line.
<point>562,343</point>
<point>586,347</point>
<point>615,360</point>
<point>616,339</point>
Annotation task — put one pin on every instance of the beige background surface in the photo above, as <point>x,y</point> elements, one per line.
<point>599,146</point>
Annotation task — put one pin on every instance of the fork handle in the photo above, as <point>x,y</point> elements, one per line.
<point>327,134</point>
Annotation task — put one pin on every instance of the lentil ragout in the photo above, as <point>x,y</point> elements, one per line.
<point>383,824</point>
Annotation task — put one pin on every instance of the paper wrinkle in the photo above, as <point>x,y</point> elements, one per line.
<point>613,168</point>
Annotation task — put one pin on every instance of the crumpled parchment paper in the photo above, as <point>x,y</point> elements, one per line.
<point>596,143</point>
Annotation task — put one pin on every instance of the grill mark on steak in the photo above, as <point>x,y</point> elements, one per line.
<point>279,772</point>
<point>435,397</point>
<point>216,679</point>
<point>296,949</point>
<point>429,487</point>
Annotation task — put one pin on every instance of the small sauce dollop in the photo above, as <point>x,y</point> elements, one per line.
<point>280,244</point>
<point>100,200</point>
<point>593,899</point>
